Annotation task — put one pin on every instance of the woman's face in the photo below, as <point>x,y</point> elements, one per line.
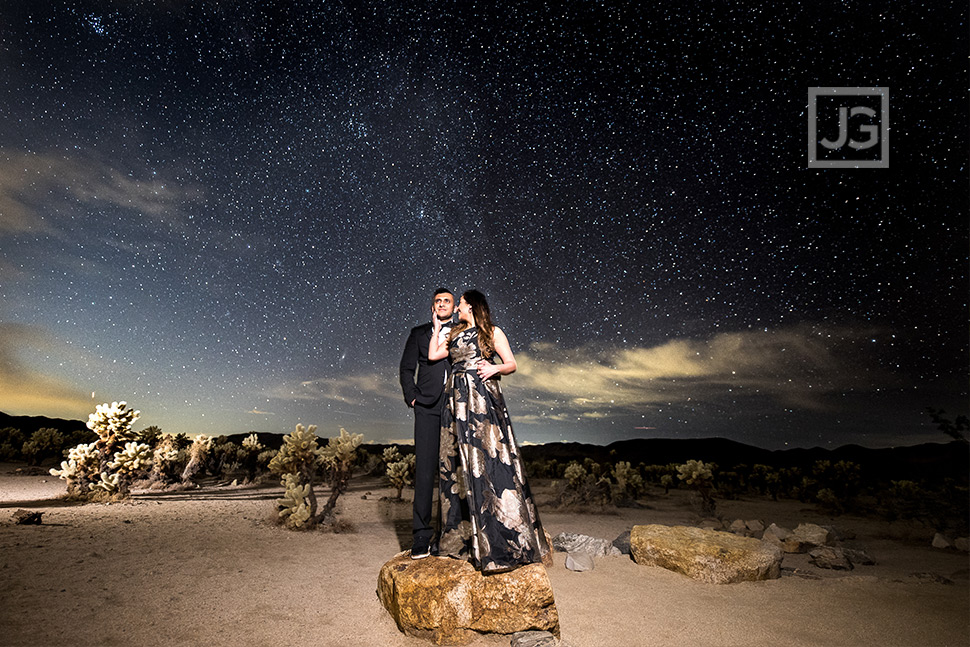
<point>465,312</point>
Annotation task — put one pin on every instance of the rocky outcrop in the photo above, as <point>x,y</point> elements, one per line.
<point>707,555</point>
<point>448,602</point>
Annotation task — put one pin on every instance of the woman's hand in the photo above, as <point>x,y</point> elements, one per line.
<point>486,369</point>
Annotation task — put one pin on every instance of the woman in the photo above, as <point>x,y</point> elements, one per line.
<point>487,511</point>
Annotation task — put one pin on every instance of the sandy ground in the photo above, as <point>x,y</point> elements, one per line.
<point>207,567</point>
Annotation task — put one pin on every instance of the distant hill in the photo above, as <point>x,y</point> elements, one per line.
<point>929,461</point>
<point>29,424</point>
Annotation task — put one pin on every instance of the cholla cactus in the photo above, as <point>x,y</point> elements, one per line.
<point>401,472</point>
<point>110,483</point>
<point>391,455</point>
<point>629,483</point>
<point>338,456</point>
<point>111,463</point>
<point>133,458</point>
<point>80,468</point>
<point>251,443</point>
<point>299,453</point>
<point>198,453</point>
<point>294,506</point>
<point>165,460</point>
<point>341,450</point>
<point>112,422</point>
<point>700,477</point>
<point>575,473</point>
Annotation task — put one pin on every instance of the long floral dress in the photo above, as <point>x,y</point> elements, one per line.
<point>487,512</point>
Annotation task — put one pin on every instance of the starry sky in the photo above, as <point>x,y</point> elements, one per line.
<point>230,214</point>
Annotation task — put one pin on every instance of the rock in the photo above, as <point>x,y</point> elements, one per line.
<point>533,639</point>
<point>858,557</point>
<point>755,525</point>
<point>776,536</point>
<point>710,556</point>
<point>830,557</point>
<point>738,527</point>
<point>940,541</point>
<point>27,517</point>
<point>448,602</point>
<point>569,542</point>
<point>805,537</point>
<point>962,543</point>
<point>622,543</point>
<point>579,561</point>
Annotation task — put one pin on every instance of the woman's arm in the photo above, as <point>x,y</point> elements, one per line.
<point>487,369</point>
<point>437,350</point>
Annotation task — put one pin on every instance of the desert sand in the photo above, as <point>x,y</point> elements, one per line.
<point>208,567</point>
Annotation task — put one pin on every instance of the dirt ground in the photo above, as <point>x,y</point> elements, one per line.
<point>208,567</point>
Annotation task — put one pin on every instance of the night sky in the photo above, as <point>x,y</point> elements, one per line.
<point>230,214</point>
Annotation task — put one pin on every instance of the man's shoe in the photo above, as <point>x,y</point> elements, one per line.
<point>420,551</point>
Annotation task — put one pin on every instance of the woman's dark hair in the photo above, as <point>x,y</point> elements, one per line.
<point>483,321</point>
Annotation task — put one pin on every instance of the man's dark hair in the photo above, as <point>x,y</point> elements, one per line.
<point>442,291</point>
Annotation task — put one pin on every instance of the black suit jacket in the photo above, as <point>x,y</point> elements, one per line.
<point>426,389</point>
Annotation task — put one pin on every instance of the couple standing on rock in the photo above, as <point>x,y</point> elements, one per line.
<point>463,436</point>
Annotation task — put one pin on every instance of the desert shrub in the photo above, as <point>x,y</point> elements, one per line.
<point>699,476</point>
<point>182,441</point>
<point>43,444</point>
<point>11,444</point>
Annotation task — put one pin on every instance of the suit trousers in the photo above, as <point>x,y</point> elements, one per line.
<point>427,437</point>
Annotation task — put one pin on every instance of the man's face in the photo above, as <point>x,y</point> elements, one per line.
<point>444,305</point>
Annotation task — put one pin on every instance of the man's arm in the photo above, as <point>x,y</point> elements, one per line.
<point>409,364</point>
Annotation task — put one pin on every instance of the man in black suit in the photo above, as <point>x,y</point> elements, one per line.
<point>423,394</point>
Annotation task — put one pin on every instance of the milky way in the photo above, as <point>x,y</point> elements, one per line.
<point>230,214</point>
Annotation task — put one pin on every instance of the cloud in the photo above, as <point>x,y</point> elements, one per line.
<point>37,190</point>
<point>798,367</point>
<point>25,391</point>
<point>257,412</point>
<point>351,389</point>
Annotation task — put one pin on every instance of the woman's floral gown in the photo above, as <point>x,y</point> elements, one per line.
<point>487,512</point>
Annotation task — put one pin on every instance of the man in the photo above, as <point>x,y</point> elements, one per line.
<point>423,394</point>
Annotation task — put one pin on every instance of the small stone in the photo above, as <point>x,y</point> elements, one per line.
<point>858,557</point>
<point>533,639</point>
<point>940,541</point>
<point>805,537</point>
<point>622,543</point>
<point>738,527</point>
<point>962,543</point>
<point>569,542</point>
<point>755,525</point>
<point>580,561</point>
<point>830,557</point>
<point>27,517</point>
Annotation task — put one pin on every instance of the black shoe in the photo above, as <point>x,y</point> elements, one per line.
<point>420,550</point>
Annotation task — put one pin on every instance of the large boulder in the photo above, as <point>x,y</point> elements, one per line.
<point>448,602</point>
<point>710,556</point>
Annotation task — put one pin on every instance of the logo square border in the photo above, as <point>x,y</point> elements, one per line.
<point>882,162</point>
